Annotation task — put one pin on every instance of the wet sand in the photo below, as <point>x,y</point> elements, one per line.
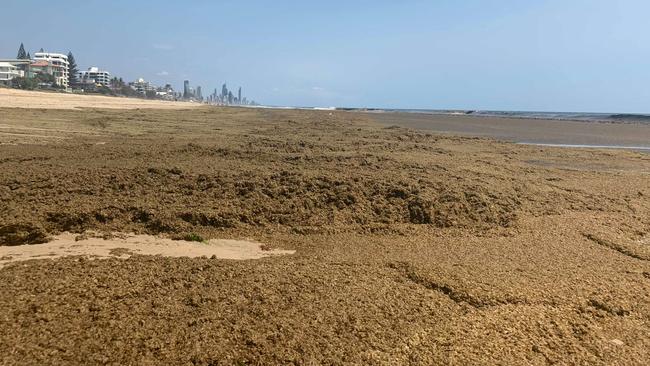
<point>531,131</point>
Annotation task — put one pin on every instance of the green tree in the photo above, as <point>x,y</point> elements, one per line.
<point>23,83</point>
<point>105,90</point>
<point>29,57</point>
<point>128,91</point>
<point>21,52</point>
<point>72,69</point>
<point>43,78</point>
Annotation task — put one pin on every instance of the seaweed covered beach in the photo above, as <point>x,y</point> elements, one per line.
<point>411,246</point>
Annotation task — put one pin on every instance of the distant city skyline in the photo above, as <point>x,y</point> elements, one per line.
<point>501,55</point>
<point>59,71</point>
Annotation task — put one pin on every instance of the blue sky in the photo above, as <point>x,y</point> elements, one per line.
<point>571,55</point>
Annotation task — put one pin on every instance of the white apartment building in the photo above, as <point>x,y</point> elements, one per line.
<point>59,63</point>
<point>96,76</point>
<point>9,71</point>
<point>142,86</point>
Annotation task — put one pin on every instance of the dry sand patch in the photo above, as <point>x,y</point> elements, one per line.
<point>126,245</point>
<point>12,98</point>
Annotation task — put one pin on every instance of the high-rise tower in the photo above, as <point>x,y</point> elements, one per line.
<point>186,89</point>
<point>224,91</point>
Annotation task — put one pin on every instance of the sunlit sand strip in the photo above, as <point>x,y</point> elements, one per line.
<point>13,98</point>
<point>23,128</point>
<point>127,245</point>
<point>31,135</point>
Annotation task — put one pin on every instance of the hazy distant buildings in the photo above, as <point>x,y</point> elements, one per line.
<point>49,69</point>
<point>142,86</point>
<point>53,65</point>
<point>227,97</point>
<point>95,76</point>
<point>41,67</point>
<point>57,66</point>
<point>166,92</point>
<point>190,93</point>
<point>8,72</point>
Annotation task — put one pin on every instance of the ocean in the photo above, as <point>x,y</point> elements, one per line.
<point>564,116</point>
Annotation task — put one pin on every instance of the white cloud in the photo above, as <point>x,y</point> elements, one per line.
<point>317,88</point>
<point>163,73</point>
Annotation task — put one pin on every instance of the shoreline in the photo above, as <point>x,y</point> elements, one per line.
<point>615,118</point>
<point>530,131</point>
<point>583,146</point>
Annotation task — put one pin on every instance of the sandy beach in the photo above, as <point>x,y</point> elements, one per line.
<point>416,242</point>
<point>14,98</point>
